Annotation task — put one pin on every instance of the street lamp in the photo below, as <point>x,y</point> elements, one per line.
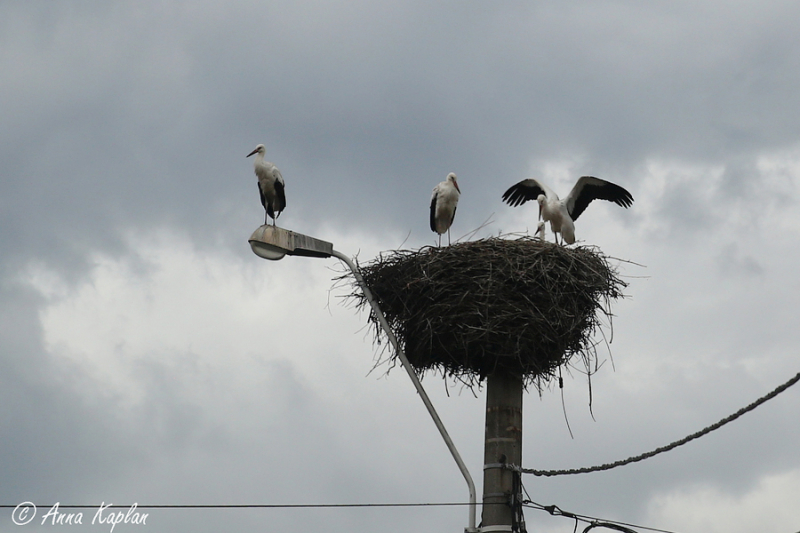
<point>273,243</point>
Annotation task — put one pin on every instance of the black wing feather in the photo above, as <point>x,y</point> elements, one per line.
<point>261,194</point>
<point>433,211</point>
<point>522,192</point>
<point>280,196</point>
<point>589,188</point>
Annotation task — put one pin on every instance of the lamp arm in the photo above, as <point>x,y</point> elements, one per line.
<point>415,380</point>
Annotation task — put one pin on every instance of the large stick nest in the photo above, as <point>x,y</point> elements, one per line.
<point>522,306</point>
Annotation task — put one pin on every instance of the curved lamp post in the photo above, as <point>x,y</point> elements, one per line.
<point>273,243</point>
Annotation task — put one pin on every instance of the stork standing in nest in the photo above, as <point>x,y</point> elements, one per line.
<point>562,214</point>
<point>270,185</point>
<point>443,206</point>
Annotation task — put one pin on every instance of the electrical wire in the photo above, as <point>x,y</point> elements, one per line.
<point>648,455</point>
<point>593,521</point>
<point>516,502</point>
<point>608,526</point>
<point>253,506</point>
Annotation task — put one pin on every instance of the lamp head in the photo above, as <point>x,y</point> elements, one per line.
<point>271,242</point>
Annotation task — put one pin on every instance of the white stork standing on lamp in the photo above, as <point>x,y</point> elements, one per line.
<point>270,185</point>
<point>563,213</point>
<point>444,201</point>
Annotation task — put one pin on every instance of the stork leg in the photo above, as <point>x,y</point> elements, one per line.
<point>448,236</point>
<point>440,240</point>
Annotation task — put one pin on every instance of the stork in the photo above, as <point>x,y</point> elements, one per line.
<point>539,231</point>
<point>270,185</point>
<point>563,213</point>
<point>443,206</point>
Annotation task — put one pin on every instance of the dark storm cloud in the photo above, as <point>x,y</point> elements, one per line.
<point>358,103</point>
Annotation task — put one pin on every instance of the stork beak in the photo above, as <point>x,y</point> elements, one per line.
<point>540,211</point>
<point>251,153</point>
<point>457,188</point>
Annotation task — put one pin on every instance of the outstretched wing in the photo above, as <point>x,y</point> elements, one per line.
<point>525,190</point>
<point>589,188</point>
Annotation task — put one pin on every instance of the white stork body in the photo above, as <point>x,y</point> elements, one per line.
<point>539,231</point>
<point>562,214</point>
<point>444,201</point>
<point>270,185</point>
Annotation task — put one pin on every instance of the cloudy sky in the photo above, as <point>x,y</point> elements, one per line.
<point>146,355</point>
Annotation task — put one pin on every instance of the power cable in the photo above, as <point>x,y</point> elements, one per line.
<point>608,526</point>
<point>592,521</point>
<point>251,506</point>
<point>709,429</point>
<point>516,502</point>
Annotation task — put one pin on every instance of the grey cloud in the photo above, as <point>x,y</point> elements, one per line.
<point>125,118</point>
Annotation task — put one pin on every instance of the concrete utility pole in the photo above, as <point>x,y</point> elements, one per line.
<point>503,445</point>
